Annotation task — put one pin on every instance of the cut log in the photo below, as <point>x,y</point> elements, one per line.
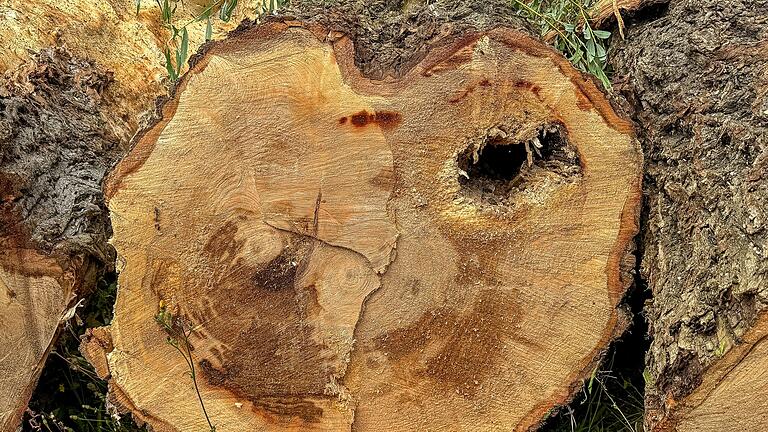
<point>63,121</point>
<point>54,150</point>
<point>112,34</point>
<point>440,251</point>
<point>694,79</point>
<point>732,394</point>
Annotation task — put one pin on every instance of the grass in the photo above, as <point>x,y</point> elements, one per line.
<point>179,331</point>
<point>609,402</point>
<point>176,50</point>
<point>566,24</point>
<point>70,397</point>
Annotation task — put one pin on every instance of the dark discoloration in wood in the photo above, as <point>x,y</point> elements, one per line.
<point>277,408</point>
<point>274,361</point>
<point>536,90</point>
<point>469,90</point>
<point>278,274</point>
<point>463,346</point>
<point>384,119</point>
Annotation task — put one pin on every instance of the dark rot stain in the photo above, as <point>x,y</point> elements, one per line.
<point>223,247</point>
<point>385,119</point>
<point>384,180</point>
<point>467,344</point>
<point>361,119</point>
<point>275,361</point>
<point>536,90</point>
<point>278,274</point>
<point>469,90</point>
<point>282,408</point>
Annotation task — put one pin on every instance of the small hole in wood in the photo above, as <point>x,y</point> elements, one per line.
<point>501,166</point>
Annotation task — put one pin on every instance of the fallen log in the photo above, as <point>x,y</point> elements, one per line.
<point>443,248</point>
<point>63,122</point>
<point>693,76</point>
<point>55,148</point>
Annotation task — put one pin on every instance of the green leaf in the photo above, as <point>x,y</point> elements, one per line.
<point>569,27</point>
<point>166,12</point>
<point>183,49</point>
<point>206,12</point>
<point>601,34</point>
<point>227,8</point>
<point>577,56</point>
<point>591,380</point>
<point>208,30</point>
<point>169,65</point>
<point>600,51</point>
<point>590,50</point>
<point>138,6</point>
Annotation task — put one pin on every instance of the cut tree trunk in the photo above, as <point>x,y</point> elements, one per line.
<point>694,77</point>
<point>113,35</point>
<point>63,121</point>
<point>444,250</point>
<point>54,151</point>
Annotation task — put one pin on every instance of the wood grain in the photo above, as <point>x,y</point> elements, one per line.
<point>317,228</point>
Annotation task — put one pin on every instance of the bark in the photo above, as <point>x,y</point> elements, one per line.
<point>693,75</point>
<point>54,150</point>
<point>347,254</point>
<point>63,122</point>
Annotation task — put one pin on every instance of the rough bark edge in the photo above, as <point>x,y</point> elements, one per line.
<point>165,107</point>
<point>711,378</point>
<point>53,81</point>
<point>732,53</point>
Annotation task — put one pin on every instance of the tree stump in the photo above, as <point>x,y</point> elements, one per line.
<point>442,250</point>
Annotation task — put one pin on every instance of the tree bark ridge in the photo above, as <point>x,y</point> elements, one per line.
<point>693,77</point>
